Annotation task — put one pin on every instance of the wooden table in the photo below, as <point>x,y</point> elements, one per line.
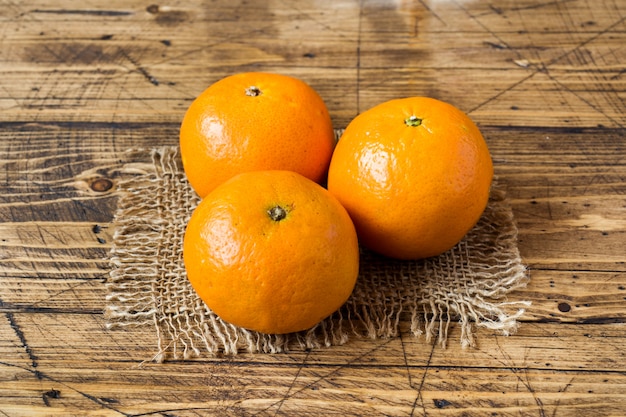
<point>82,82</point>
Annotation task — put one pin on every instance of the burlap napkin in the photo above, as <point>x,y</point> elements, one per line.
<point>148,285</point>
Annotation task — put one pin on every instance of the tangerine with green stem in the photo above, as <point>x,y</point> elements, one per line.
<point>414,174</point>
<point>271,251</point>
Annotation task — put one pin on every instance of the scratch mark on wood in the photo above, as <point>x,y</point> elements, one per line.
<point>406,360</point>
<point>525,381</point>
<point>325,377</point>
<point>142,70</point>
<point>558,401</point>
<point>544,66</point>
<point>109,400</point>
<point>619,74</point>
<point>583,99</point>
<point>495,45</point>
<point>148,76</point>
<point>408,371</point>
<point>293,382</point>
<point>419,396</point>
<point>501,44</point>
<point>432,12</point>
<point>84,12</point>
<point>538,6</point>
<point>495,9</point>
<point>22,338</point>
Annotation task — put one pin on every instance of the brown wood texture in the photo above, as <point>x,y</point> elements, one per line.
<point>81,83</point>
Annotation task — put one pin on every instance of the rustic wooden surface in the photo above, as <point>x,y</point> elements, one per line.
<point>82,82</point>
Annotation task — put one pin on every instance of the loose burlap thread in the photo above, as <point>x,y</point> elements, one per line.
<point>148,284</point>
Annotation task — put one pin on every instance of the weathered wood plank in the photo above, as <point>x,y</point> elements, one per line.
<point>556,296</point>
<point>70,338</point>
<point>575,296</point>
<point>82,83</point>
<point>54,266</point>
<point>147,64</point>
<point>50,211</point>
<point>539,370</point>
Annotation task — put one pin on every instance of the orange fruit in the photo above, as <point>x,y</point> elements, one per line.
<point>414,174</point>
<point>255,121</point>
<point>271,251</point>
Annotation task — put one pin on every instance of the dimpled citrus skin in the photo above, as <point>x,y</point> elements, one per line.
<point>414,186</point>
<point>271,275</point>
<point>255,121</point>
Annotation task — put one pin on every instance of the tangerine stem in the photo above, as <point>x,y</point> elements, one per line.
<point>253,91</point>
<point>413,121</point>
<point>277,213</point>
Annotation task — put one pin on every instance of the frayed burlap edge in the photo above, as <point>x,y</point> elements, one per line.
<point>148,285</point>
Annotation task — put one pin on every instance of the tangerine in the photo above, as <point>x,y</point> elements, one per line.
<point>271,251</point>
<point>414,174</point>
<point>255,121</point>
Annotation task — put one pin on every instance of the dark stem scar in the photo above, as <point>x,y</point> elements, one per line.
<point>277,213</point>
<point>253,91</point>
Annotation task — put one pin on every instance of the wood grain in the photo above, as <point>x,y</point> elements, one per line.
<point>527,371</point>
<point>86,89</point>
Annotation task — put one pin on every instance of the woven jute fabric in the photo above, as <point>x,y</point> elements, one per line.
<point>469,284</point>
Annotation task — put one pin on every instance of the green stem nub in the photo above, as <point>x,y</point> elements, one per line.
<point>413,121</point>
<point>253,91</point>
<point>277,213</point>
